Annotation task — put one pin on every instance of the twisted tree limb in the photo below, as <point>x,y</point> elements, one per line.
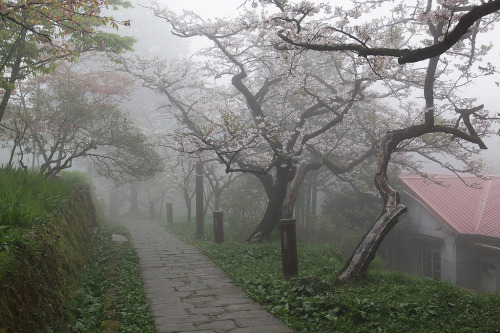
<point>408,55</point>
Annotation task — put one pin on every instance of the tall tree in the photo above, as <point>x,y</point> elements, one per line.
<point>182,175</point>
<point>444,32</point>
<point>287,111</point>
<point>266,133</point>
<point>66,115</point>
<point>34,34</point>
<point>277,108</point>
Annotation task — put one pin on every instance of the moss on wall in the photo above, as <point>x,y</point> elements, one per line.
<point>40,274</point>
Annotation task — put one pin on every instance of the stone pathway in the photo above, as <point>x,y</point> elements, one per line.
<point>189,293</point>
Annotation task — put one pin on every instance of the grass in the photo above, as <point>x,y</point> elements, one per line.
<point>111,291</point>
<point>27,198</point>
<point>45,240</point>
<point>383,301</point>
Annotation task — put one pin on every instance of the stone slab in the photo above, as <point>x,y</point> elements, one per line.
<point>187,292</point>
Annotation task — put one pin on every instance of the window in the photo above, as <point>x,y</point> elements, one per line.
<point>489,273</point>
<point>431,261</point>
<point>489,270</point>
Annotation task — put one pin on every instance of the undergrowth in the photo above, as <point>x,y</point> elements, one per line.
<point>111,289</point>
<point>87,307</point>
<point>382,301</point>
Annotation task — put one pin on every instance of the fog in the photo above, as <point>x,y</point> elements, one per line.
<point>319,207</point>
<point>191,106</point>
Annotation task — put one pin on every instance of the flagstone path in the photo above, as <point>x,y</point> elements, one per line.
<point>187,292</point>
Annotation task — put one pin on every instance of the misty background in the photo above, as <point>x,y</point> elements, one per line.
<point>154,39</point>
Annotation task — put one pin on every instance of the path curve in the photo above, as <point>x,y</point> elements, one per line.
<point>187,292</point>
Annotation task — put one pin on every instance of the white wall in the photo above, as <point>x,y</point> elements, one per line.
<point>424,222</point>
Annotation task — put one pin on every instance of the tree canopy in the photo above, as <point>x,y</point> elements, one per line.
<point>34,34</point>
<point>315,79</point>
<point>445,33</point>
<point>70,114</point>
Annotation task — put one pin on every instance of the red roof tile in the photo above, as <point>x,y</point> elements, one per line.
<point>467,205</point>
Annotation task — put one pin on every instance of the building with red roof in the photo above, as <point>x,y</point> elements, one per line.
<point>453,230</point>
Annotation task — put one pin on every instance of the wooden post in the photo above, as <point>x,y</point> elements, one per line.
<point>218,227</point>
<point>288,248</point>
<point>199,201</point>
<point>170,214</point>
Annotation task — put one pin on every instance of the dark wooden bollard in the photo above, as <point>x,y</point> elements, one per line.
<point>218,227</point>
<point>151,210</point>
<point>288,248</point>
<point>170,214</point>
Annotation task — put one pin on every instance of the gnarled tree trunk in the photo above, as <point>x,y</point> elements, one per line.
<point>367,248</point>
<point>276,192</point>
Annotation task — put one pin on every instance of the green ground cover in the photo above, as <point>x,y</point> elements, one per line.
<point>383,301</point>
<point>111,294</point>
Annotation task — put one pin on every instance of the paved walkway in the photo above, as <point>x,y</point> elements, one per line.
<point>188,293</point>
